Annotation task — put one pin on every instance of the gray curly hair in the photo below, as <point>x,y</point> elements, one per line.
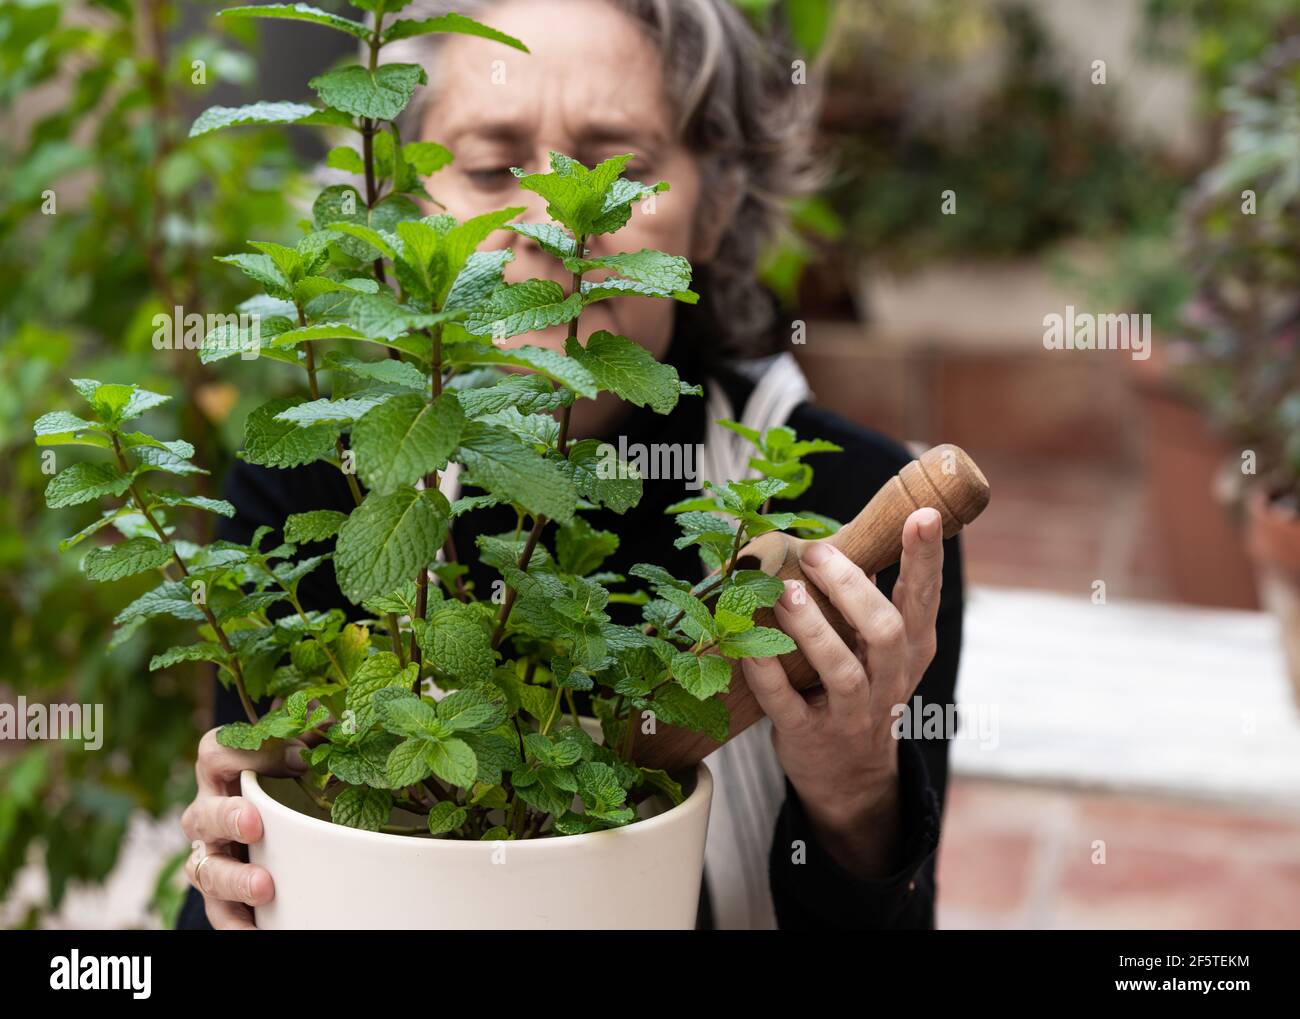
<point>736,110</point>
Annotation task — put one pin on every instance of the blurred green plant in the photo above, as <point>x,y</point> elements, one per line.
<point>1242,228</point>
<point>107,215</point>
<point>1036,165</point>
<point>1213,38</point>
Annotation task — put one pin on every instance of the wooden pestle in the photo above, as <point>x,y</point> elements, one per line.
<point>944,478</point>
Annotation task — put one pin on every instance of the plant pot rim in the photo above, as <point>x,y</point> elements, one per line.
<point>697,799</point>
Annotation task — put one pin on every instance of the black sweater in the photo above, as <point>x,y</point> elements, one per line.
<point>817,893</point>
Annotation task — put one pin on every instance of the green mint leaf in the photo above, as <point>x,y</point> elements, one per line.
<point>577,197</point>
<point>125,559</point>
<point>697,621</point>
<point>617,287</point>
<point>744,431</point>
<point>454,23</point>
<point>667,274</point>
<point>60,428</point>
<point>471,710</point>
<point>446,817</point>
<point>665,783</point>
<point>628,370</point>
<point>454,762</point>
<point>463,240</point>
<point>204,651</point>
<point>314,525</point>
<point>658,577</point>
<point>580,548</point>
<point>199,502</point>
<point>231,338</point>
<point>83,483</point>
<point>170,457</point>
<point>529,394</point>
<point>362,807</point>
<point>702,676</point>
<point>351,648</point>
<point>482,273</point>
<point>286,260</point>
<point>340,205</point>
<point>388,372</point>
<point>759,642</point>
<point>535,429</point>
<point>214,118</point>
<point>262,270</point>
<point>109,400</point>
<point>600,476</point>
<point>139,402</point>
<point>765,588</point>
<point>408,763</point>
<point>673,705</point>
<point>378,672</point>
<point>402,440</point>
<point>505,466</point>
<point>320,331</point>
<point>495,754</point>
<point>599,787</point>
<point>617,209</point>
<point>380,94</point>
<point>339,413</point>
<point>523,307</point>
<point>241,736</point>
<point>814,526</point>
<point>290,575</point>
<point>456,641</point>
<point>552,364</point>
<point>401,601</point>
<point>364,762</point>
<point>426,158</point>
<point>272,442</point>
<point>388,538</point>
<point>552,239</point>
<point>735,609</point>
<point>298,12</point>
<point>172,598</point>
<point>345,158</point>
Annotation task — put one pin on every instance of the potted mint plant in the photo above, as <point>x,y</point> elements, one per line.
<point>452,781</point>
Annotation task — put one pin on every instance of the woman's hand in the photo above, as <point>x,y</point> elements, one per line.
<point>218,822</point>
<point>835,744</point>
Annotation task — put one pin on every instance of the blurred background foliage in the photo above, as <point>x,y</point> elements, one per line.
<point>1242,342</point>
<point>108,216</point>
<point>95,101</point>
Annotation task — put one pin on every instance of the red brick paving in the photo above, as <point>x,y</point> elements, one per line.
<point>1015,856</point>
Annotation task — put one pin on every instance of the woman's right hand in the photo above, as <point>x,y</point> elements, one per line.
<point>220,822</point>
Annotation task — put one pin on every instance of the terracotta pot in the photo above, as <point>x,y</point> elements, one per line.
<point>1201,538</point>
<point>1274,543</point>
<point>645,875</point>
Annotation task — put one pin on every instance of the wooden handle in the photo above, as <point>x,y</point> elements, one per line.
<point>944,478</point>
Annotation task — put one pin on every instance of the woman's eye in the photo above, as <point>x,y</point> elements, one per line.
<point>490,176</point>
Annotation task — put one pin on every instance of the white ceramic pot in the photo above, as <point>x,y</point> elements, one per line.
<point>642,876</point>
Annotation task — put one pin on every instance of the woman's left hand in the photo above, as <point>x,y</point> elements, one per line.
<point>835,743</point>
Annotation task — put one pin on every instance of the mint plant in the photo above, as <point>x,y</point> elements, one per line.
<point>500,752</point>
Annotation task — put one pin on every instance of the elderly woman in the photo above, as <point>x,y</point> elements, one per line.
<point>822,818</point>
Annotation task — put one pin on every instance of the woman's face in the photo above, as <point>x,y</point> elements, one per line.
<point>591,88</point>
